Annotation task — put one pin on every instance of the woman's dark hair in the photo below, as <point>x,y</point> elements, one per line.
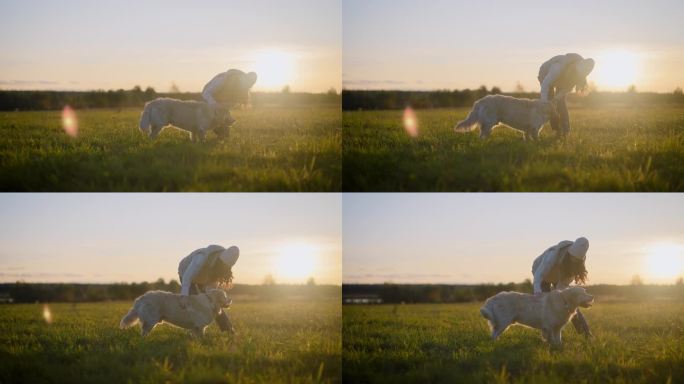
<point>222,273</point>
<point>575,269</point>
<point>581,85</point>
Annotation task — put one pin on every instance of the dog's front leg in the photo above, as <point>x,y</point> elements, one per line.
<point>556,338</point>
<point>193,137</point>
<point>198,331</point>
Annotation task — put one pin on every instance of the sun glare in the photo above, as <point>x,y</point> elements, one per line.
<point>47,314</point>
<point>665,261</point>
<point>410,122</point>
<point>69,121</point>
<point>274,69</point>
<point>296,261</point>
<point>616,70</point>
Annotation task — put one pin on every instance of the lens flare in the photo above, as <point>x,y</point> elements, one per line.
<point>47,314</point>
<point>69,121</point>
<point>410,122</point>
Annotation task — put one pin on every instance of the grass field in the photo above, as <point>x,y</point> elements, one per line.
<point>449,343</point>
<point>269,149</point>
<point>290,341</point>
<point>615,149</point>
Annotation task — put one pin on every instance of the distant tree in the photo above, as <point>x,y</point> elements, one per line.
<point>137,89</point>
<point>332,91</point>
<point>636,280</point>
<point>286,89</point>
<point>311,282</point>
<point>519,87</point>
<point>174,88</point>
<point>150,93</point>
<point>495,90</point>
<point>678,91</point>
<point>680,281</point>
<point>269,280</point>
<point>632,89</point>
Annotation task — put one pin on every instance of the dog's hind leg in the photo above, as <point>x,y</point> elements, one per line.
<point>146,327</point>
<point>155,131</point>
<point>486,129</point>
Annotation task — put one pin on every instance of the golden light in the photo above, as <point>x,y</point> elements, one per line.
<point>410,122</point>
<point>296,261</point>
<point>616,69</point>
<point>69,121</point>
<point>47,314</point>
<point>275,69</point>
<point>665,261</point>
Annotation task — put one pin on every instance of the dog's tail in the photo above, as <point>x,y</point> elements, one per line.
<point>145,120</point>
<point>469,123</point>
<point>129,320</point>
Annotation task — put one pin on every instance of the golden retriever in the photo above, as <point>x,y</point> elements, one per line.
<point>196,117</point>
<point>549,312</point>
<point>155,307</point>
<point>526,115</point>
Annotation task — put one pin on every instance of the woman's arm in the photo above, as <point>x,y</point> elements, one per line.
<point>542,266</point>
<point>212,86</point>
<point>191,271</point>
<point>554,71</point>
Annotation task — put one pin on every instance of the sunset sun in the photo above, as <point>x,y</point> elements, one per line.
<point>665,261</point>
<point>296,261</point>
<point>275,69</point>
<point>617,69</point>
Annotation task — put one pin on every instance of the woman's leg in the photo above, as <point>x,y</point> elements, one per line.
<point>562,109</point>
<point>580,324</point>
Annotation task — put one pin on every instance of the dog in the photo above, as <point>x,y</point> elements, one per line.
<point>155,307</point>
<point>526,115</point>
<point>549,312</point>
<point>196,117</point>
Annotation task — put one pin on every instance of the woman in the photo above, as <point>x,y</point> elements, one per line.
<point>208,268</point>
<point>229,88</point>
<point>558,76</point>
<point>559,266</point>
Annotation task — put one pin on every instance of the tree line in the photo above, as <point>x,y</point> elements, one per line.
<point>447,293</point>
<point>21,292</point>
<point>137,97</point>
<point>353,100</point>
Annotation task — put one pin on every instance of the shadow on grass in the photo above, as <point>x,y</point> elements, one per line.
<point>500,164</point>
<point>170,166</point>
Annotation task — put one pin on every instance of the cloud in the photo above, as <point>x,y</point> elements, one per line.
<point>8,276</point>
<point>397,276</point>
<point>29,82</point>
<point>372,82</point>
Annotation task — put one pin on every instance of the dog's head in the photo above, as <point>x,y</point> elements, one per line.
<point>577,297</point>
<point>222,121</point>
<point>219,298</point>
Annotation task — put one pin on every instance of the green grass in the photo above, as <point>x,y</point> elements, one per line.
<point>611,149</point>
<point>290,341</point>
<point>443,343</point>
<point>269,149</point>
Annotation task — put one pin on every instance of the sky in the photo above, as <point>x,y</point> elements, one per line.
<point>85,45</point>
<point>494,238</point>
<point>110,237</point>
<point>455,44</point>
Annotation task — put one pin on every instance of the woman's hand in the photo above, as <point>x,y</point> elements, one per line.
<point>183,300</point>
